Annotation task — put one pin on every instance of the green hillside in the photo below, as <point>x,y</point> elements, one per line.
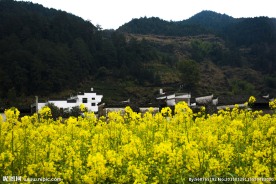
<point>51,53</point>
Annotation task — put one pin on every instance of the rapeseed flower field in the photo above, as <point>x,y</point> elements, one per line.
<point>136,148</point>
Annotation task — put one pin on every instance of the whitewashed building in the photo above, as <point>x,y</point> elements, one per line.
<point>205,99</point>
<point>173,99</point>
<point>90,99</point>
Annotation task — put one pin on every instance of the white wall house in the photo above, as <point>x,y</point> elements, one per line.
<point>205,99</point>
<point>173,99</point>
<point>89,99</point>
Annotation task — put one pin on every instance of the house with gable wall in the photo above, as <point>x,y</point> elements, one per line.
<point>91,100</point>
<point>172,99</point>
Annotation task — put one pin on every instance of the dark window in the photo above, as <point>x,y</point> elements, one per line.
<point>93,104</point>
<point>84,100</point>
<point>93,98</point>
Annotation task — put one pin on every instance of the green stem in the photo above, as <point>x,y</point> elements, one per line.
<point>272,158</point>
<point>24,155</point>
<point>12,151</point>
<point>73,170</point>
<point>1,146</point>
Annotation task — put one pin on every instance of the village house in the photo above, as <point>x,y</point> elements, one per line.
<point>91,100</point>
<point>172,99</point>
<point>261,103</point>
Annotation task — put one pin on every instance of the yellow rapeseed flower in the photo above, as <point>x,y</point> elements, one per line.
<point>272,104</point>
<point>252,99</point>
<point>133,148</point>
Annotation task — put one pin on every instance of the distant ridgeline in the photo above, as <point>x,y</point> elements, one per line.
<point>241,31</point>
<point>45,51</point>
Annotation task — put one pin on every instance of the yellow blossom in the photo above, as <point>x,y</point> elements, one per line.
<point>134,148</point>
<point>252,99</point>
<point>272,104</point>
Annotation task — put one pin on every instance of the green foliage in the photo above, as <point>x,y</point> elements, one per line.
<point>256,35</point>
<point>157,26</point>
<point>40,49</point>
<point>45,51</point>
<point>211,20</point>
<point>271,81</point>
<point>102,72</point>
<point>56,112</point>
<point>75,111</point>
<point>64,113</point>
<point>189,73</point>
<point>247,31</point>
<point>200,50</point>
<point>12,97</point>
<point>240,87</point>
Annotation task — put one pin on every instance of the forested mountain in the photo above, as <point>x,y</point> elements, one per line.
<point>157,26</point>
<point>41,48</point>
<point>241,31</point>
<point>205,22</point>
<point>45,51</point>
<point>211,20</point>
<point>247,42</point>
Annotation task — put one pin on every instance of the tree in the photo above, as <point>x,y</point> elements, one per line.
<point>200,50</point>
<point>242,87</point>
<point>75,111</point>
<point>54,110</point>
<point>189,73</point>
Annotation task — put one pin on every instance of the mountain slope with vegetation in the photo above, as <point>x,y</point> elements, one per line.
<point>47,52</point>
<point>245,43</point>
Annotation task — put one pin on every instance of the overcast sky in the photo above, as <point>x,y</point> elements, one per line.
<point>110,14</point>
